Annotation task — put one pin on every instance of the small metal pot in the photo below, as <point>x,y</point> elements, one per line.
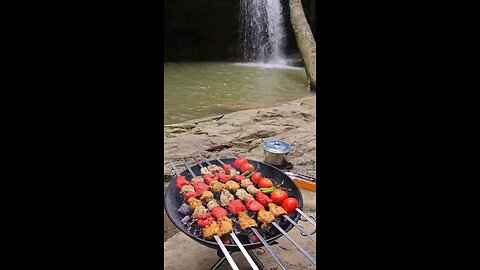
<point>274,152</point>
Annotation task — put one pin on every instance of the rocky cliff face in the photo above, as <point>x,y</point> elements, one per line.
<point>208,29</point>
<point>244,132</point>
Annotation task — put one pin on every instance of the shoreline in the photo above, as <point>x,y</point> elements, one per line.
<point>244,132</point>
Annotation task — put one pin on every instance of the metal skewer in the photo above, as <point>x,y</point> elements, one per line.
<point>200,164</point>
<point>300,228</point>
<point>295,244</point>
<point>269,248</point>
<point>244,251</point>
<point>174,168</point>
<point>219,160</point>
<point>204,159</point>
<point>225,252</point>
<point>231,154</point>
<point>220,243</point>
<point>188,167</point>
<point>313,222</point>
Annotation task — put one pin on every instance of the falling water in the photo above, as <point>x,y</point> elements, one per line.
<point>262,35</point>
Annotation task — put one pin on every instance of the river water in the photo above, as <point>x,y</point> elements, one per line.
<point>201,89</point>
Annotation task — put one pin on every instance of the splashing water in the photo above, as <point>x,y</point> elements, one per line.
<point>262,35</point>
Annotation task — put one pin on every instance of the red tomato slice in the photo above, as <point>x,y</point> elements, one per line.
<point>290,204</point>
<point>265,183</point>
<point>278,196</point>
<point>239,162</point>
<point>247,167</point>
<point>256,177</point>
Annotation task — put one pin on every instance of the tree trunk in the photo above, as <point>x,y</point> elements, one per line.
<point>305,41</point>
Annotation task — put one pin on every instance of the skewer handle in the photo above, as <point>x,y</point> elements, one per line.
<point>269,248</point>
<point>200,164</point>
<point>188,167</point>
<point>244,251</point>
<point>225,252</point>
<point>300,228</point>
<point>219,160</point>
<point>174,168</point>
<point>204,159</point>
<point>231,154</point>
<point>295,244</point>
<point>314,223</point>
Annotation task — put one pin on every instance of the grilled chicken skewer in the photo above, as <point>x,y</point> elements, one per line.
<point>229,170</point>
<point>222,246</point>
<point>297,209</point>
<point>266,217</point>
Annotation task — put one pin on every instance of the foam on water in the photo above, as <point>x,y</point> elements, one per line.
<point>268,65</point>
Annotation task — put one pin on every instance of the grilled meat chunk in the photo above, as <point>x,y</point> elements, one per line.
<point>197,180</point>
<point>226,226</point>
<point>190,195</point>
<point>254,206</point>
<point>194,202</point>
<point>261,198</point>
<point>204,220</point>
<point>217,186</point>
<point>246,182</point>
<point>246,221</point>
<point>209,178</point>
<point>199,210</point>
<point>236,206</point>
<point>265,217</point>
<point>232,186</point>
<point>224,177</point>
<point>227,168</point>
<point>186,189</point>
<point>219,212</point>
<point>252,189</point>
<point>243,195</point>
<point>211,230</point>
<point>239,178</point>
<point>233,172</point>
<point>200,187</point>
<point>204,171</point>
<point>226,197</point>
<point>212,204</point>
<point>181,181</point>
<point>206,196</point>
<point>276,210</point>
<point>215,169</point>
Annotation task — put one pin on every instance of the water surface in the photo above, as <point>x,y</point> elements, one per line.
<point>202,89</point>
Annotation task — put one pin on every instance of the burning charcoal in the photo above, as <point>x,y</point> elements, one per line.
<point>185,220</point>
<point>185,209</point>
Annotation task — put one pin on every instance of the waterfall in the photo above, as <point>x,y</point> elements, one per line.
<point>262,35</point>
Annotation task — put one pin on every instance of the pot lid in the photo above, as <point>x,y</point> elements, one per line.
<point>277,147</point>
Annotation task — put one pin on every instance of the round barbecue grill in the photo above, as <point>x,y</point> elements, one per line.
<point>174,199</point>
